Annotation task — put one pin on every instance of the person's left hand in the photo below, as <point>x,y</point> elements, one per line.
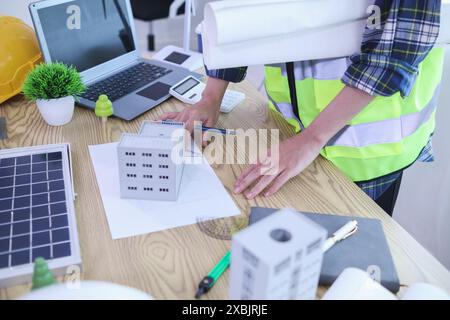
<point>295,154</point>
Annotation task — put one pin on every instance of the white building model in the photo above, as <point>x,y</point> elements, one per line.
<point>151,162</point>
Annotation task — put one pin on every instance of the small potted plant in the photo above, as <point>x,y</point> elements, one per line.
<point>54,87</point>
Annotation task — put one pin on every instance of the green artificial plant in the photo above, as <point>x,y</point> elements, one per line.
<point>53,81</point>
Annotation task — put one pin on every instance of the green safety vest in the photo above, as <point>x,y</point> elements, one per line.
<point>387,136</point>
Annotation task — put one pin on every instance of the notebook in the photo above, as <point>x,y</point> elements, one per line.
<point>367,249</point>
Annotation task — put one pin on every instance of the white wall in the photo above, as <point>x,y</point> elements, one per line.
<point>423,207</point>
<point>16,8</point>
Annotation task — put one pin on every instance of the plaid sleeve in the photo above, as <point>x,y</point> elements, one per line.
<point>232,74</point>
<point>391,52</point>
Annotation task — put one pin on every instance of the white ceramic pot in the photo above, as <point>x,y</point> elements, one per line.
<point>57,112</point>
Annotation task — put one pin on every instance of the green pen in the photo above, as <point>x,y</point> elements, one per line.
<point>208,282</point>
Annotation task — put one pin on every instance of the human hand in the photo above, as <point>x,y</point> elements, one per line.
<point>295,154</point>
<point>205,111</point>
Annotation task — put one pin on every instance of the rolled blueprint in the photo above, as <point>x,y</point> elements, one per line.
<point>252,32</point>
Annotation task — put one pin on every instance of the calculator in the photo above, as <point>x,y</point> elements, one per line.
<point>189,90</point>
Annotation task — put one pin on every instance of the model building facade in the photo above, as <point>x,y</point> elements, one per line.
<point>151,162</point>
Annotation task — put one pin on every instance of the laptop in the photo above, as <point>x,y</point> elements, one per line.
<point>98,38</point>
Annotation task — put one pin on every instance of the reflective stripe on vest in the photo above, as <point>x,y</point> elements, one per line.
<point>387,131</point>
<point>364,134</point>
<point>386,136</point>
<point>325,69</point>
<point>286,110</point>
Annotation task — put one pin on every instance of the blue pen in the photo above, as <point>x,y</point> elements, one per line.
<point>205,129</point>
<point>222,131</point>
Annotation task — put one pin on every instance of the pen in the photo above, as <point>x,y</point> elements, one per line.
<point>343,233</point>
<point>208,282</point>
<point>204,128</point>
<point>222,131</point>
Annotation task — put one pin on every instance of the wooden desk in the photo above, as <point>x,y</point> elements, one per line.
<point>169,264</point>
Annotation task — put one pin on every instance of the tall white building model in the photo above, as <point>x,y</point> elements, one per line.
<point>151,162</point>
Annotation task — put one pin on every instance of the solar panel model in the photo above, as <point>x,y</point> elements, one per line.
<point>37,215</point>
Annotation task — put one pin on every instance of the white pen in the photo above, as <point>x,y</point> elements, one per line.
<point>343,233</point>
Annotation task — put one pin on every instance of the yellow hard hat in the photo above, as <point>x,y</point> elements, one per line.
<point>18,55</point>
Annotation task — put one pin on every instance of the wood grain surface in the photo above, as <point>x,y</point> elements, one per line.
<point>169,264</point>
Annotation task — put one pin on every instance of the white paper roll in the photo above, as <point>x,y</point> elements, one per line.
<point>424,291</point>
<point>236,20</point>
<point>356,284</point>
<point>254,32</point>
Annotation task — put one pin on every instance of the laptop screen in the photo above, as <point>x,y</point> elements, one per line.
<point>86,33</point>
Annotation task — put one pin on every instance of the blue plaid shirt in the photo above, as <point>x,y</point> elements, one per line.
<point>388,62</point>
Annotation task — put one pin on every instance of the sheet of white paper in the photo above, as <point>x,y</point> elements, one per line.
<point>201,197</point>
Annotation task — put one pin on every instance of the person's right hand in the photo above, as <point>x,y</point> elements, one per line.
<point>205,111</point>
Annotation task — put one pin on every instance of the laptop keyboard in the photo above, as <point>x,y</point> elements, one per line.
<point>125,82</point>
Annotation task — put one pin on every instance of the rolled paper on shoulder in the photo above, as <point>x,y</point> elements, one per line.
<point>243,33</point>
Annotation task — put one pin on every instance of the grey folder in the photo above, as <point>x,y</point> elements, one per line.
<point>367,247</point>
